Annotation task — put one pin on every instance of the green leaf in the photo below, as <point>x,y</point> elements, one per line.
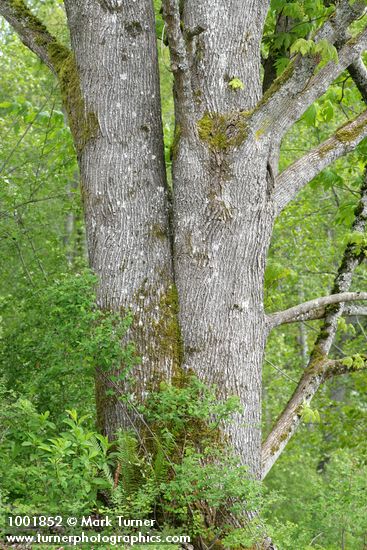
<point>302,46</point>
<point>236,84</point>
<point>347,362</point>
<point>281,64</point>
<point>328,111</point>
<point>310,115</point>
<point>327,51</point>
<point>293,9</point>
<point>308,414</point>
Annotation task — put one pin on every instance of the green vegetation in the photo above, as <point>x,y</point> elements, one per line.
<point>52,457</point>
<point>223,131</point>
<point>182,474</point>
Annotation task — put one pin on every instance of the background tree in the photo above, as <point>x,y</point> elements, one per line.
<point>226,191</point>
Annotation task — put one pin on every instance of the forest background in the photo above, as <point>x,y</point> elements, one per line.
<point>52,336</point>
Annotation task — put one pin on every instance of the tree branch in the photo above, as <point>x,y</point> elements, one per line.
<point>317,370</point>
<point>347,365</point>
<point>358,72</point>
<point>32,32</point>
<point>297,175</point>
<point>315,375</point>
<point>179,61</point>
<point>355,311</point>
<point>307,310</point>
<point>319,313</point>
<point>357,69</point>
<point>300,84</point>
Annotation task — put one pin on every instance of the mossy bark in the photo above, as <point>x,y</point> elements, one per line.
<point>223,216</point>
<point>111,89</point>
<point>83,122</point>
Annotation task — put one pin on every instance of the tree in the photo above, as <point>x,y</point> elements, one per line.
<point>190,263</point>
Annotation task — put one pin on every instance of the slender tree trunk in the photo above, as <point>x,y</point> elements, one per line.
<point>120,153</point>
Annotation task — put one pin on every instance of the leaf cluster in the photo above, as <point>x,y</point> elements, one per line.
<point>59,337</point>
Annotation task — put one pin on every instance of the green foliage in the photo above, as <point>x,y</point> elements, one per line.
<point>359,240</point>
<point>309,239</point>
<point>290,28</point>
<point>43,469</point>
<point>334,494</point>
<point>346,328</point>
<point>308,414</point>
<point>323,49</point>
<point>281,64</point>
<point>189,459</point>
<point>327,51</point>
<point>303,46</point>
<point>236,84</point>
<point>275,274</point>
<point>180,474</point>
<point>357,361</point>
<point>186,406</point>
<point>52,335</point>
<point>58,338</point>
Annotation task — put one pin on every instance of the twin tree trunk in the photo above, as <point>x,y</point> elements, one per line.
<point>191,269</point>
<point>213,252</point>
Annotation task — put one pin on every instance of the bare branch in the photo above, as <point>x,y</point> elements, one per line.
<point>355,311</point>
<point>319,363</point>
<point>32,32</point>
<point>297,175</point>
<point>319,313</point>
<point>301,84</point>
<point>307,310</point>
<point>315,375</point>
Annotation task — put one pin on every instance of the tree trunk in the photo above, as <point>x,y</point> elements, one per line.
<point>120,153</point>
<point>223,215</point>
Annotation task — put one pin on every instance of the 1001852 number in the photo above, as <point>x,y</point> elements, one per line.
<point>35,521</point>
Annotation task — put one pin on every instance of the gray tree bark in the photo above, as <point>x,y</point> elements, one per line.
<point>226,191</point>
<point>223,213</point>
<point>124,184</point>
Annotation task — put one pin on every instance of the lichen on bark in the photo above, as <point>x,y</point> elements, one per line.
<point>350,131</point>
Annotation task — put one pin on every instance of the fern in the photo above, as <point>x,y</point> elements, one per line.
<point>107,475</point>
<point>127,455</point>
